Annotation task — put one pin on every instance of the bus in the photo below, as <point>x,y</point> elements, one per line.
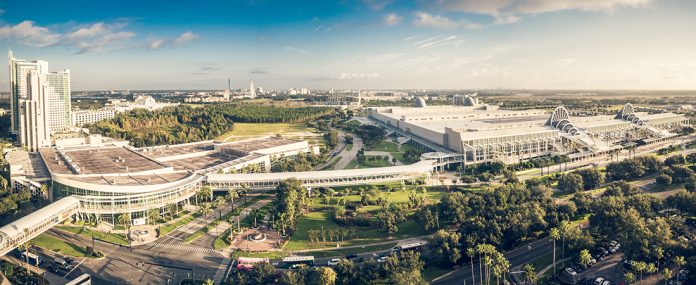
<point>248,262</point>
<point>408,247</point>
<point>294,261</point>
<point>84,279</point>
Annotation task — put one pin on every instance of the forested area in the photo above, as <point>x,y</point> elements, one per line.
<point>183,124</point>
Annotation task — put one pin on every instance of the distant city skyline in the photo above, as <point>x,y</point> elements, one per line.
<point>358,44</point>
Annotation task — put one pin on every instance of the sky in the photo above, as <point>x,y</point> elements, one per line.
<point>358,44</point>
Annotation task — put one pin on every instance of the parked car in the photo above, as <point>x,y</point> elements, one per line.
<point>606,282</point>
<point>333,262</point>
<point>598,281</point>
<point>570,271</point>
<point>382,259</point>
<point>351,256</point>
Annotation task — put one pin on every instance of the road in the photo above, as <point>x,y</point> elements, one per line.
<point>517,256</point>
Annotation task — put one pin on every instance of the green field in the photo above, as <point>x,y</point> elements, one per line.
<point>386,146</point>
<point>343,251</point>
<point>243,131</point>
<point>349,146</point>
<point>353,164</point>
<point>58,245</point>
<point>88,233</point>
<point>322,218</point>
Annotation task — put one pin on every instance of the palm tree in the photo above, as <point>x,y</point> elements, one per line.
<point>563,228</point>
<point>530,275</point>
<point>231,195</point>
<point>659,253</point>
<point>219,202</point>
<point>205,210</point>
<point>585,257</point>
<point>679,261</point>
<point>207,192</point>
<point>25,247</point>
<point>666,274</point>
<point>630,278</point>
<point>209,282</point>
<point>640,267</point>
<point>651,269</point>
<point>124,219</point>
<point>554,236</point>
<point>471,252</point>
<point>152,215</point>
<point>244,191</point>
<point>44,191</point>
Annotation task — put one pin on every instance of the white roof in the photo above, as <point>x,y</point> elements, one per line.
<point>27,222</point>
<point>421,166</point>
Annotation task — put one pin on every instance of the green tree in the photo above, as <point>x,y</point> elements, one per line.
<point>124,219</point>
<point>446,246</point>
<point>153,215</point>
<point>471,252</point>
<point>629,277</point>
<point>640,267</point>
<point>207,193</point>
<point>554,235</point>
<point>570,183</point>
<point>530,275</point>
<point>666,274</point>
<point>231,195</point>
<point>585,257</point>
<point>327,276</point>
<point>206,209</point>
<point>219,203</point>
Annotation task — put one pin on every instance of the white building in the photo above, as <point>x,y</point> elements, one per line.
<point>39,101</point>
<point>252,90</point>
<point>57,92</point>
<point>83,117</point>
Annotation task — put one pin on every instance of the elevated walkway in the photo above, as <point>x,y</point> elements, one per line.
<point>32,225</point>
<point>323,178</point>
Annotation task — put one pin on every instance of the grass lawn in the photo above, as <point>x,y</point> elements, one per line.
<point>316,220</point>
<point>249,130</point>
<point>431,272</point>
<point>165,229</point>
<point>352,123</point>
<point>386,146</point>
<point>113,238</point>
<point>353,164</point>
<point>269,255</point>
<point>58,245</point>
<point>349,146</point>
<point>339,252</point>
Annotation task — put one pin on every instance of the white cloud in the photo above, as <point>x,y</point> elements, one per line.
<point>392,19</point>
<point>185,37</point>
<point>297,50</point>
<point>377,4</point>
<point>29,34</point>
<point>349,76</point>
<point>563,62</point>
<point>104,42</point>
<point>423,19</point>
<point>154,44</point>
<point>508,11</point>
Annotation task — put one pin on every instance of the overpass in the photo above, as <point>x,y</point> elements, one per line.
<point>327,178</point>
<point>32,225</point>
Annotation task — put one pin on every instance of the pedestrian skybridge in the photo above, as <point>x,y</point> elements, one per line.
<point>326,178</point>
<point>32,225</point>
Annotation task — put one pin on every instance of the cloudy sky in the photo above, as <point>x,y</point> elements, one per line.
<point>544,44</point>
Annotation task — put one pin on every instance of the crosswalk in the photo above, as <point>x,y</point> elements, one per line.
<point>182,247</point>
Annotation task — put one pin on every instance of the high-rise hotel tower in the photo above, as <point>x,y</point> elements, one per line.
<point>39,102</point>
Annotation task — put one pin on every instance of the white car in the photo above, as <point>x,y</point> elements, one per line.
<point>570,271</point>
<point>382,259</point>
<point>333,262</point>
<point>598,281</point>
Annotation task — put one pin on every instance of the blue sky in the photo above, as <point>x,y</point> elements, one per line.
<point>373,44</point>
